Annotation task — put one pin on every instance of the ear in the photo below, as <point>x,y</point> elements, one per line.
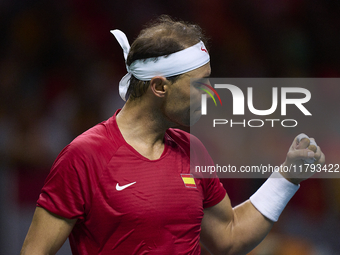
<point>157,84</point>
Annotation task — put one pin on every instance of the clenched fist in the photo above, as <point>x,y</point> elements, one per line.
<point>301,152</point>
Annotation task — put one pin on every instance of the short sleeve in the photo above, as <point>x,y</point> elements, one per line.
<point>214,192</point>
<point>63,192</point>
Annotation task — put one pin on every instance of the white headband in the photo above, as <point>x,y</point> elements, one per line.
<point>173,64</point>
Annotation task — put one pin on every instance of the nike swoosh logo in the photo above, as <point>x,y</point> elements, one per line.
<point>119,188</point>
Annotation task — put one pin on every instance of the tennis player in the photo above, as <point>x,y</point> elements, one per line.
<point>124,186</point>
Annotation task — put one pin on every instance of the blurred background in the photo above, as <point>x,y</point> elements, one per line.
<point>59,74</point>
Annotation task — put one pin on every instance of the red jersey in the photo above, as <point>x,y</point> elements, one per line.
<point>124,202</point>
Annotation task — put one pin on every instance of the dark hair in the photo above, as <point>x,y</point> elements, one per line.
<point>160,38</point>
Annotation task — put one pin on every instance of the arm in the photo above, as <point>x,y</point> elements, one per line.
<point>47,233</point>
<point>227,230</point>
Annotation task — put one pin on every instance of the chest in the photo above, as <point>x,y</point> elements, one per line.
<point>155,193</point>
<point>146,205</point>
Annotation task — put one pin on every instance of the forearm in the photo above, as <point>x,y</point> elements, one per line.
<point>247,229</point>
<point>227,230</point>
<point>253,219</point>
<point>239,230</point>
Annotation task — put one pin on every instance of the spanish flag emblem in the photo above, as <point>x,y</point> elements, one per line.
<point>188,180</point>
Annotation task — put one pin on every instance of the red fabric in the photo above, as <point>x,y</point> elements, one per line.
<point>155,215</point>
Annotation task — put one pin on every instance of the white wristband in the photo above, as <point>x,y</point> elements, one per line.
<point>272,197</point>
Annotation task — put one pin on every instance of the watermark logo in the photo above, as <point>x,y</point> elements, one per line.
<point>238,100</point>
<point>292,98</point>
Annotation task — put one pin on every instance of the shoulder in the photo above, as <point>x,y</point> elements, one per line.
<point>93,146</point>
<point>97,139</point>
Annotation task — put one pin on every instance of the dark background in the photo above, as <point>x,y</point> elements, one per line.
<point>59,74</point>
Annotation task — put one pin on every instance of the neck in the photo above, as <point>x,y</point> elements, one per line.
<point>143,127</point>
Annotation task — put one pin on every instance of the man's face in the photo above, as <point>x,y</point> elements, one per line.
<point>183,100</point>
